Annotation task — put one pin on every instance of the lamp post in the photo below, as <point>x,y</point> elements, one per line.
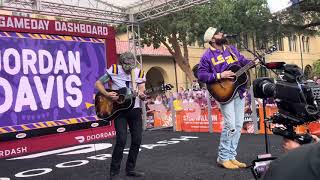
<point>301,58</point>
<point>175,72</point>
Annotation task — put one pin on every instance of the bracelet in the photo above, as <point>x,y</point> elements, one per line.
<point>218,75</point>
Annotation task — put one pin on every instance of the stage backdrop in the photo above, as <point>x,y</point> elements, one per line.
<point>44,78</point>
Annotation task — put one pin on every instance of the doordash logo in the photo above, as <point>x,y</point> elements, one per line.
<point>80,139</point>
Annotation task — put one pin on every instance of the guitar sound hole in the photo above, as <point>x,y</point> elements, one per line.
<point>121,99</point>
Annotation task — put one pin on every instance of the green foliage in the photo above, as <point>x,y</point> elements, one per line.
<point>241,16</point>
<point>302,18</point>
<point>121,28</point>
<point>316,67</point>
<point>251,17</point>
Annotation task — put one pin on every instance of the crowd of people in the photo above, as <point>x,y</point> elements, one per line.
<point>173,99</point>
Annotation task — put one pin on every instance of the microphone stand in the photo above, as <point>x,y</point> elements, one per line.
<point>256,55</point>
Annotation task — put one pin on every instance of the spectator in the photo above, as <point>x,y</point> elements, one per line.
<point>165,101</point>
<point>289,144</point>
<point>158,100</point>
<point>150,115</point>
<point>300,163</point>
<point>177,104</point>
<point>315,78</point>
<point>181,90</point>
<point>200,99</point>
<point>195,85</point>
<point>170,101</point>
<point>185,98</point>
<point>191,98</point>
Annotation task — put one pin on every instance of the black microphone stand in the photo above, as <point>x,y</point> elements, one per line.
<point>255,54</point>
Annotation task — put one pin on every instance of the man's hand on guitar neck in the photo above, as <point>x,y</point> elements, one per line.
<point>227,75</point>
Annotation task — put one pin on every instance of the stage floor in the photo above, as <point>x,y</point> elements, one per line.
<point>165,155</point>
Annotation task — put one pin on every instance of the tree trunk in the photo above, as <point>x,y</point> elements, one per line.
<point>185,67</point>
<point>181,60</point>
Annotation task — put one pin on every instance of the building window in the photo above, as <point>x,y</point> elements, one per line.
<point>261,44</point>
<point>308,72</point>
<point>279,43</point>
<point>294,43</point>
<point>244,41</point>
<point>307,44</point>
<point>263,72</point>
<point>290,43</point>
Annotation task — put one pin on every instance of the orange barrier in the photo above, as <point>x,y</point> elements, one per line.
<point>200,123</point>
<point>270,110</point>
<point>192,124</point>
<point>314,127</point>
<point>191,120</point>
<point>162,119</point>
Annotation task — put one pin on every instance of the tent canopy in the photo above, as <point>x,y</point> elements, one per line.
<point>104,11</point>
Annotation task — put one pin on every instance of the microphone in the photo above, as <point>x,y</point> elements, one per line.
<point>275,65</point>
<point>230,35</point>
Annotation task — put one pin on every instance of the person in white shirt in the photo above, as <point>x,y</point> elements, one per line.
<point>125,75</point>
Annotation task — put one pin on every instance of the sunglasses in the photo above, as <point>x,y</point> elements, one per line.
<point>128,66</point>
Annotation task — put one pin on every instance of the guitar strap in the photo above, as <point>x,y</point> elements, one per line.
<point>134,85</point>
<point>234,57</point>
<point>133,80</point>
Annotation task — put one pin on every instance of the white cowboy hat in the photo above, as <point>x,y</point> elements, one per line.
<point>209,34</point>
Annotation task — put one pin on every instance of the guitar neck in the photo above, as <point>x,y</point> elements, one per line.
<point>251,64</point>
<point>245,68</point>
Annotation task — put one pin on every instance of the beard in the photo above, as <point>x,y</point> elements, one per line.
<point>221,41</point>
<point>127,71</point>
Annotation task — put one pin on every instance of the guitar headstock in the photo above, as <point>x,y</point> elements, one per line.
<point>163,87</point>
<point>271,49</point>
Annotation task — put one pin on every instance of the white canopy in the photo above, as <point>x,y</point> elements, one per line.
<point>106,11</point>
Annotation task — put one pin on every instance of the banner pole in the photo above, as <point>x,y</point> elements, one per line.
<point>209,111</point>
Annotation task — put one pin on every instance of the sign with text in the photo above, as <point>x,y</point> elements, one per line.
<point>45,80</point>
<point>44,26</point>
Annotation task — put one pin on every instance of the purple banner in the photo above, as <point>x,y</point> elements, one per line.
<point>44,80</point>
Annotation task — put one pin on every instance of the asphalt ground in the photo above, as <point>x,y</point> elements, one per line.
<point>164,155</point>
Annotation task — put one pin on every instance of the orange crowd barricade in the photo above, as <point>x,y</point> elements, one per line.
<point>196,120</point>
<point>270,110</point>
<point>314,127</point>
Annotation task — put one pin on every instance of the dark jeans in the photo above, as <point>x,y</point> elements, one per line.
<point>134,119</point>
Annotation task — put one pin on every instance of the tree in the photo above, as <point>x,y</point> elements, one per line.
<point>316,67</point>
<point>173,32</point>
<point>177,30</point>
<point>251,17</point>
<point>303,17</point>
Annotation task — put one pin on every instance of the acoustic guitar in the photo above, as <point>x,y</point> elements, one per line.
<point>107,110</point>
<point>224,90</point>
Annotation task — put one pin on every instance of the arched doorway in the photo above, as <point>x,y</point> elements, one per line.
<point>308,72</point>
<point>156,77</point>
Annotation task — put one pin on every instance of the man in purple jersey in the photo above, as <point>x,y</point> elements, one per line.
<point>213,67</point>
